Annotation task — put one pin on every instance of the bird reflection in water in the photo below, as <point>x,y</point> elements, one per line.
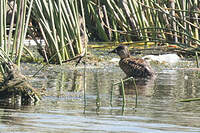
<point>144,86</point>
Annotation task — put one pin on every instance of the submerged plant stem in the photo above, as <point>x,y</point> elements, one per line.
<point>197,59</point>
<point>136,92</point>
<point>123,93</point>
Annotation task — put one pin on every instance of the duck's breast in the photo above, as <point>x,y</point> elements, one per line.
<point>135,67</point>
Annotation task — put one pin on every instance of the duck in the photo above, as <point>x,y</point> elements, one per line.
<point>132,67</point>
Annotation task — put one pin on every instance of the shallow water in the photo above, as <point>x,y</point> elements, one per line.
<point>68,108</point>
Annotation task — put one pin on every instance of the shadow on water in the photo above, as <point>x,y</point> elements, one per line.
<point>78,100</point>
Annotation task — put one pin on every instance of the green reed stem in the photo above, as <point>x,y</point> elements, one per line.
<point>111,94</point>
<point>136,92</point>
<point>123,93</point>
<point>85,87</point>
<point>197,59</point>
<point>190,100</point>
<point>25,22</point>
<point>123,90</point>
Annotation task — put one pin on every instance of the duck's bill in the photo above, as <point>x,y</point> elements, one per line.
<point>113,51</point>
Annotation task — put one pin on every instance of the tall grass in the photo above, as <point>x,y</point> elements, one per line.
<point>173,21</point>
<point>13,33</point>
<point>12,38</point>
<point>63,28</point>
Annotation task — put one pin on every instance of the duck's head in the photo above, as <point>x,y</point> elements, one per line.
<point>122,51</point>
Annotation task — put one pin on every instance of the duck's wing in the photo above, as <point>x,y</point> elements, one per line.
<point>136,67</point>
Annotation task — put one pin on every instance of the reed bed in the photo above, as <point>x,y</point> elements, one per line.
<point>14,23</point>
<point>13,28</point>
<point>63,28</point>
<point>164,22</point>
<point>13,32</point>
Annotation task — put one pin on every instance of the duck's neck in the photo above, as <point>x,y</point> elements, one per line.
<point>124,55</point>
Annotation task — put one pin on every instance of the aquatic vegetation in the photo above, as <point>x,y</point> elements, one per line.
<point>122,87</point>
<point>13,33</point>
<point>12,45</point>
<point>190,100</point>
<point>62,26</point>
<point>170,23</point>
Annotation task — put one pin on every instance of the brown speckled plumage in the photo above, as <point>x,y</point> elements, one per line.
<point>133,67</point>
